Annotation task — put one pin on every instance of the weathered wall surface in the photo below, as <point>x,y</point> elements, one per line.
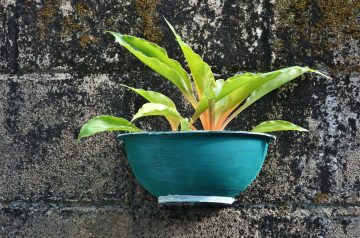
<point>58,69</point>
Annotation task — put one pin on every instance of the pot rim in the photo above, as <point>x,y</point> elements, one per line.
<point>246,133</point>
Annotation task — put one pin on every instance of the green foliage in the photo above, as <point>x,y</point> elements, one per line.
<point>157,109</point>
<point>277,125</point>
<point>216,102</point>
<point>157,59</point>
<point>200,70</point>
<point>153,96</point>
<point>106,123</point>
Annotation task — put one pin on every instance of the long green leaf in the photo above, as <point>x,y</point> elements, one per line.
<point>106,123</point>
<point>285,75</point>
<point>158,98</point>
<point>240,87</point>
<point>153,96</point>
<point>157,59</point>
<point>157,109</point>
<point>232,92</point>
<point>235,82</point>
<point>200,70</point>
<point>277,125</point>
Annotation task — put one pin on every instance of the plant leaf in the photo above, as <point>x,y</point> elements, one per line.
<point>284,77</point>
<point>229,93</point>
<point>209,94</point>
<point>269,84</point>
<point>200,70</point>
<point>157,109</point>
<point>219,84</point>
<point>185,125</point>
<point>240,87</point>
<point>277,125</point>
<point>235,82</point>
<point>153,96</point>
<point>106,123</point>
<point>157,59</point>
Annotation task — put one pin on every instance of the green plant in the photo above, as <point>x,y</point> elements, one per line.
<point>216,102</point>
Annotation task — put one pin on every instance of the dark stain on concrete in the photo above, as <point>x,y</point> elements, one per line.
<point>13,31</point>
<point>14,101</point>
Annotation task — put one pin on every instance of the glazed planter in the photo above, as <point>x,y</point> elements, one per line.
<point>196,166</point>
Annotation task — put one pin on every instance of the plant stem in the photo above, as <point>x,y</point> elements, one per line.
<point>193,127</point>
<point>231,117</point>
<point>211,114</point>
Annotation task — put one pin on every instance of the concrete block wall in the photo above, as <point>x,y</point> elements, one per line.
<point>58,69</point>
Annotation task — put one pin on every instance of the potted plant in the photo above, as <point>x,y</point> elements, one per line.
<point>187,164</point>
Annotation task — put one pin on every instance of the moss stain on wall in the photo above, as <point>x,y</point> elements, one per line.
<point>86,39</point>
<point>332,23</point>
<point>46,16</point>
<point>146,9</point>
<point>321,198</point>
<point>75,22</point>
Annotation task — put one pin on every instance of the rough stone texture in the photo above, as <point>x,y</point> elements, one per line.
<point>8,36</point>
<point>50,220</point>
<point>58,69</point>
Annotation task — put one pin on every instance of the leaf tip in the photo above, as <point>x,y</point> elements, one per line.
<point>319,73</point>
<point>170,26</point>
<point>81,134</point>
<point>165,19</point>
<point>111,32</point>
<point>125,86</point>
<point>79,137</point>
<point>117,35</point>
<point>167,22</point>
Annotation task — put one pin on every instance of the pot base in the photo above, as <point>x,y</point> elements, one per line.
<point>195,199</point>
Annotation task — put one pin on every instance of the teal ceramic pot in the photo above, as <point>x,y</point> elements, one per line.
<point>196,166</point>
